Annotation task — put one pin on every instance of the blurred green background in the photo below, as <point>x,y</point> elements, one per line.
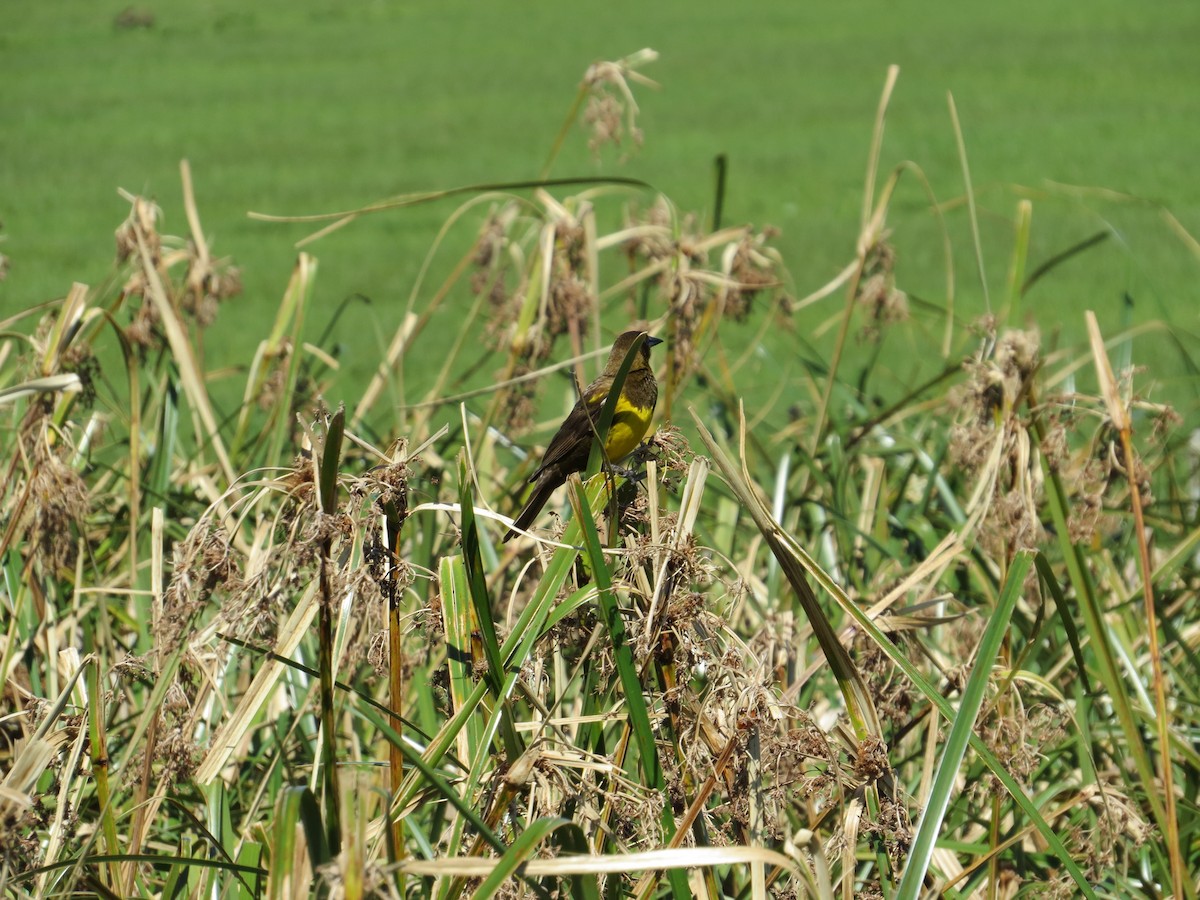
<point>308,107</point>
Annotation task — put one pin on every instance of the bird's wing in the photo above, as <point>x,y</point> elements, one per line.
<point>573,440</point>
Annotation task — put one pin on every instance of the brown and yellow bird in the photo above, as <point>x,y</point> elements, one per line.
<point>572,444</point>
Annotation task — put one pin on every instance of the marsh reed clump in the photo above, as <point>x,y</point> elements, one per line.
<point>805,646</point>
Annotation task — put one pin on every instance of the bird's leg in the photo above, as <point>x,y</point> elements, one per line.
<point>629,473</point>
<point>636,470</point>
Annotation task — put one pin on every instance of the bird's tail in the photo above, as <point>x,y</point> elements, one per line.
<point>541,493</point>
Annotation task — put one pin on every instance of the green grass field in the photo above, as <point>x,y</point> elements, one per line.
<point>303,108</point>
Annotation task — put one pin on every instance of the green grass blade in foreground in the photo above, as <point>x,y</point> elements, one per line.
<point>517,647</point>
<point>610,614</point>
<point>631,684</point>
<point>523,849</point>
<point>456,616</point>
<point>857,697</point>
<point>571,604</point>
<point>101,763</point>
<point>331,454</point>
<point>158,479</point>
<point>1100,645</point>
<point>298,293</point>
<point>1064,618</point>
<point>481,600</point>
<point>961,729</point>
<point>433,780</point>
<point>329,459</point>
<point>530,626</point>
<point>296,806</point>
<point>931,693</point>
<point>570,840</point>
<point>476,580</point>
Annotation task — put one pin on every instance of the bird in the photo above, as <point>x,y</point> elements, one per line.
<point>571,446</point>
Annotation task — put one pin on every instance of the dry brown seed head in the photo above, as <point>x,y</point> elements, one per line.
<point>870,760</point>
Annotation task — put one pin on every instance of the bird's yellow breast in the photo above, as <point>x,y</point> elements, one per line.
<point>629,424</point>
